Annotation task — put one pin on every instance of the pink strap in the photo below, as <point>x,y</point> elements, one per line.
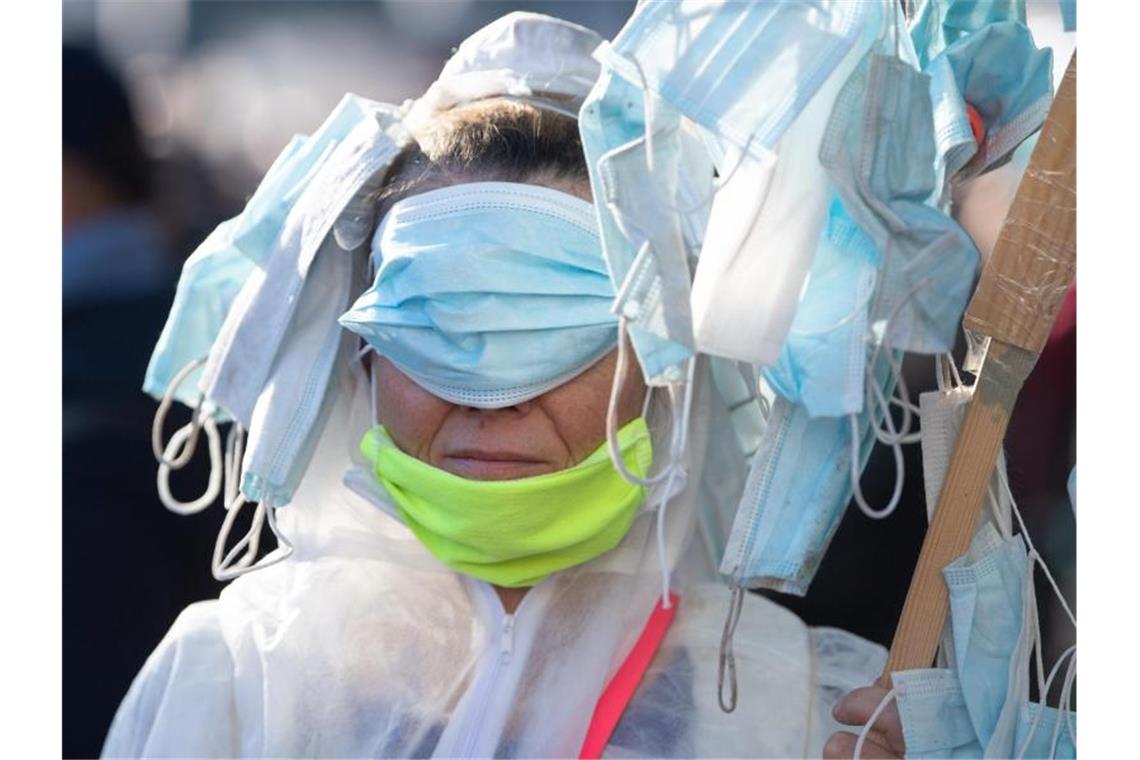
<point>621,687</point>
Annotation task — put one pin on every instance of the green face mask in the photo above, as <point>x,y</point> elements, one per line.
<point>516,532</point>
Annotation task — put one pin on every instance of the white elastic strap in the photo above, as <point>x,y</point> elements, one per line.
<point>226,568</point>
<point>1066,695</point>
<point>179,460</point>
<point>214,485</point>
<point>892,437</point>
<point>1043,696</point>
<point>857,489</point>
<point>726,663</point>
<point>886,700</point>
<point>676,467</point>
<point>620,371</point>
<point>1034,554</point>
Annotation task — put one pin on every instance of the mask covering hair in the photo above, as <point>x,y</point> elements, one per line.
<point>515,532</point>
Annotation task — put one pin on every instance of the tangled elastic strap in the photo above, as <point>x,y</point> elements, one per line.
<point>177,453</point>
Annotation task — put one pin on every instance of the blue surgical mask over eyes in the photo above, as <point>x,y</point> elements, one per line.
<point>489,293</point>
<point>1001,73</point>
<point>927,260</point>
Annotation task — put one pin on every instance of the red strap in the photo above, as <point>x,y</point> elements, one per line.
<point>977,124</point>
<point>621,687</point>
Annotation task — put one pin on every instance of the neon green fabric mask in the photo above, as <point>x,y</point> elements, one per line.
<point>515,532</point>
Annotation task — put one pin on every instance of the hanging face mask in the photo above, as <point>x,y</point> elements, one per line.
<point>489,293</point>
<point>635,185</point>
<point>798,486</point>
<point>256,327</point>
<point>980,707</point>
<point>1001,73</point>
<point>928,260</point>
<point>515,533</point>
<point>934,25</point>
<point>821,366</point>
<point>764,115</point>
<point>214,274</point>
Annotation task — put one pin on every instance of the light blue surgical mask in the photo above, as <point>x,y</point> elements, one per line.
<point>798,486</point>
<point>821,366</point>
<point>489,293</point>
<point>879,152</point>
<point>934,25</point>
<point>980,706</point>
<point>215,273</point>
<point>641,236</point>
<point>742,71</point>
<point>270,354</point>
<point>258,324</point>
<point>723,66</point>
<point>1001,73</point>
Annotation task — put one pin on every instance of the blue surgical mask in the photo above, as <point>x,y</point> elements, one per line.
<point>221,266</point>
<point>799,484</point>
<point>722,67</point>
<point>821,366</point>
<point>489,293</point>
<point>879,151</point>
<point>934,25</point>
<point>642,239</point>
<point>1001,73</point>
<point>980,706</point>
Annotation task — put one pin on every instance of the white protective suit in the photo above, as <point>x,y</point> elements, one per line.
<point>362,644</point>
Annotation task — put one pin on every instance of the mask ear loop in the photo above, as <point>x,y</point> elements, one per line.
<point>230,566</point>
<point>892,437</point>
<point>1064,709</point>
<point>620,372</point>
<point>1069,653</point>
<point>215,483</point>
<point>676,468</point>
<point>883,704</point>
<point>178,461</point>
<point>726,663</point>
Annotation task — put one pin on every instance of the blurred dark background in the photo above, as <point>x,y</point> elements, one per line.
<point>172,111</point>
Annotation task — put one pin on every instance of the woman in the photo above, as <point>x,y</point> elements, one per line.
<point>473,576</point>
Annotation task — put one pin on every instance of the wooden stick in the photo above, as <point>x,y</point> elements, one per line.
<point>1016,302</point>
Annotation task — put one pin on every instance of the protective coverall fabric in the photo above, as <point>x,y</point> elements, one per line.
<point>363,644</point>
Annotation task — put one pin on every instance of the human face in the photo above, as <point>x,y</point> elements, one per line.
<point>548,433</point>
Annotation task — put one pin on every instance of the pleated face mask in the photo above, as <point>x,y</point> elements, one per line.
<point>515,532</point>
<point>488,293</point>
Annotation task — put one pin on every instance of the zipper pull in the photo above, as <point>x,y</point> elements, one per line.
<point>506,638</point>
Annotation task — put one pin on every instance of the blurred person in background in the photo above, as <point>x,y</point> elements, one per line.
<point>127,566</point>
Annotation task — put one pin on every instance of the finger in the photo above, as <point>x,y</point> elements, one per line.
<point>842,746</point>
<point>856,708</point>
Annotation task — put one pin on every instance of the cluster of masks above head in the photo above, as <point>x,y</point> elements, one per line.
<point>769,184</point>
